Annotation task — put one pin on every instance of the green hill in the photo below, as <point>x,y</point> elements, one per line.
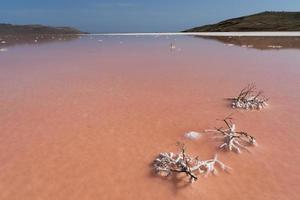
<point>265,21</point>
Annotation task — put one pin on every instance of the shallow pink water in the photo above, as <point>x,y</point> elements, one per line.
<point>84,119</point>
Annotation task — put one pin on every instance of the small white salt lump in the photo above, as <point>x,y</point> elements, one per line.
<point>3,42</point>
<point>3,50</point>
<point>230,45</point>
<point>192,135</point>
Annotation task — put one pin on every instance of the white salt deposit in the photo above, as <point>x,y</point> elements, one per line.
<point>275,46</point>
<point>192,135</point>
<point>247,46</point>
<point>228,34</point>
<point>3,50</point>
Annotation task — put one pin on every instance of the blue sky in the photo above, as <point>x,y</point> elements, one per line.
<point>134,15</point>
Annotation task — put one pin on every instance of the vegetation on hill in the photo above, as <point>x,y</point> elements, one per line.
<point>265,21</point>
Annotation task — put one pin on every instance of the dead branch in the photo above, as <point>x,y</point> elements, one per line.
<point>249,98</point>
<point>233,140</point>
<point>169,163</point>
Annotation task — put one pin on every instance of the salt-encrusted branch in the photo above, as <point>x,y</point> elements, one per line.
<point>249,98</point>
<point>233,140</point>
<point>210,165</point>
<point>168,163</point>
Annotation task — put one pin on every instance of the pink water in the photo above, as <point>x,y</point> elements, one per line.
<point>84,119</point>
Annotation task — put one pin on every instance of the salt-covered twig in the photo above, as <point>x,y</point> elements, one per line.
<point>211,165</point>
<point>249,98</point>
<point>169,163</point>
<point>233,140</point>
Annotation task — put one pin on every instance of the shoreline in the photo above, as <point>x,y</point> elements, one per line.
<point>250,34</point>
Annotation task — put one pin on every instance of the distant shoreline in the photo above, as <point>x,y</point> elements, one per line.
<point>239,34</point>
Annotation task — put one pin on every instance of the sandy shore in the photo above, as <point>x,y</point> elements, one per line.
<point>84,119</point>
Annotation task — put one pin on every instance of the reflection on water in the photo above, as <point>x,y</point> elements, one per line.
<point>262,43</point>
<point>12,40</point>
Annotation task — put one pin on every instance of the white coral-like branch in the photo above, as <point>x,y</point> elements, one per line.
<point>168,163</point>
<point>232,139</point>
